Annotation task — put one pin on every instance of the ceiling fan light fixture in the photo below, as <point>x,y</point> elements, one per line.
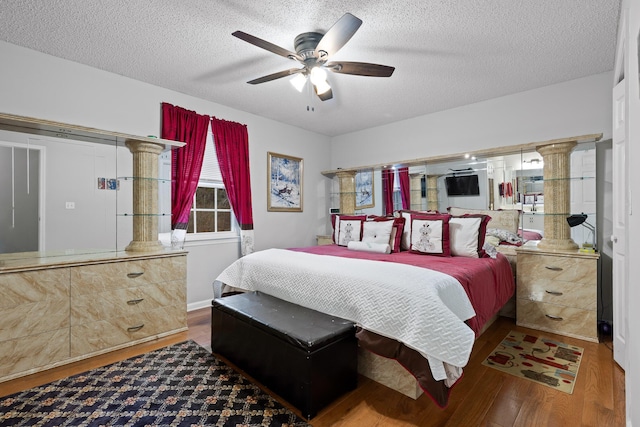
<point>318,76</point>
<point>322,87</point>
<point>298,82</point>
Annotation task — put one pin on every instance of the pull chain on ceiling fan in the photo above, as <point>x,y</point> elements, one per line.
<point>312,51</point>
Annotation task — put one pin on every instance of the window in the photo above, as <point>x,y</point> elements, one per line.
<point>211,215</point>
<point>211,211</point>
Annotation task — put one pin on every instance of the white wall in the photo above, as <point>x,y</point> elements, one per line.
<point>38,85</point>
<point>577,107</point>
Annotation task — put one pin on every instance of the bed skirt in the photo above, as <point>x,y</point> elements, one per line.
<point>390,373</point>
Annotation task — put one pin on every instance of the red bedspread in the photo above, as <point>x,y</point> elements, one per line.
<point>488,282</point>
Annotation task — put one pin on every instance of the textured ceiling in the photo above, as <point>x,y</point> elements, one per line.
<point>447,53</point>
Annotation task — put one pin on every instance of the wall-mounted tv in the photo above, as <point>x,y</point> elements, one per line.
<point>463,185</point>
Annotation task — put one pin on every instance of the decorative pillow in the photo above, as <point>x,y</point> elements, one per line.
<point>430,234</point>
<point>349,229</point>
<point>466,235</point>
<point>405,243</point>
<point>396,234</point>
<point>335,223</point>
<point>505,236</point>
<point>377,231</point>
<point>396,231</point>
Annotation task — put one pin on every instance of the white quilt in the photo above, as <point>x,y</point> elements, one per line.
<point>422,308</point>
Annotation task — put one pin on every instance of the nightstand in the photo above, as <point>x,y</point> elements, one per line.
<point>557,291</point>
<point>324,239</point>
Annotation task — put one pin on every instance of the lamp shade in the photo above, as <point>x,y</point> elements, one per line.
<point>576,219</point>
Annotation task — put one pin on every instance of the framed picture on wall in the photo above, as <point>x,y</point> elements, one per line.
<point>284,181</point>
<point>364,189</point>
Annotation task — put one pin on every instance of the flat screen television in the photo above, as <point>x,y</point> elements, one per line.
<point>463,185</point>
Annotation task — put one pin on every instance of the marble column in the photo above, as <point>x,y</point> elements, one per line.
<point>347,181</point>
<point>432,192</point>
<point>557,196</point>
<point>145,195</point>
<point>416,191</point>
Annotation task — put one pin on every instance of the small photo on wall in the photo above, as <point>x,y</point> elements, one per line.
<point>102,182</point>
<point>112,184</point>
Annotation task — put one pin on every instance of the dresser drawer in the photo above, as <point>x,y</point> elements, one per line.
<point>34,318</point>
<point>558,292</point>
<point>33,286</point>
<point>559,319</point>
<point>35,351</point>
<point>93,279</point>
<point>553,268</point>
<point>95,336</point>
<point>124,302</point>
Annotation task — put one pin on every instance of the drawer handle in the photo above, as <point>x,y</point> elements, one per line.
<point>134,275</point>
<point>556,318</point>
<point>135,328</point>
<point>135,301</point>
<point>556,293</point>
<point>552,268</point>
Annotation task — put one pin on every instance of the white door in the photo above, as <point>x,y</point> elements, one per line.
<point>620,212</point>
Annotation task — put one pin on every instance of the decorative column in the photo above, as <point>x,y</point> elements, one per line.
<point>432,192</point>
<point>145,195</point>
<point>557,196</point>
<point>347,192</point>
<point>416,191</point>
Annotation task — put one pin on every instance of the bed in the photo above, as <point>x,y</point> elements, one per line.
<point>418,312</point>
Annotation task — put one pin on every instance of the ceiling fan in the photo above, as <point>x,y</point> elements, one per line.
<point>312,51</point>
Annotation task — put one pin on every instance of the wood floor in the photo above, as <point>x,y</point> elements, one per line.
<point>484,396</point>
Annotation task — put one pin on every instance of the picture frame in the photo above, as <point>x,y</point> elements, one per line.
<point>365,197</point>
<point>284,183</point>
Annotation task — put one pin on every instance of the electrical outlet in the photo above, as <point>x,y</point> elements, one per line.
<point>70,205</point>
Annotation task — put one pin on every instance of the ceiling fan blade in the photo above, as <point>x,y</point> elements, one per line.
<point>266,45</point>
<point>338,35</point>
<point>360,68</point>
<point>325,95</point>
<point>275,76</point>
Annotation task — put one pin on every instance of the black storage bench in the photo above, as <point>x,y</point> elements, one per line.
<point>307,357</point>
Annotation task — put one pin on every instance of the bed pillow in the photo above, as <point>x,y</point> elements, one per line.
<point>377,231</point>
<point>405,242</point>
<point>430,234</point>
<point>467,234</point>
<point>396,231</point>
<point>349,229</point>
<point>396,234</point>
<point>335,223</point>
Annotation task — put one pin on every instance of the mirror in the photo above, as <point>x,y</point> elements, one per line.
<point>68,191</point>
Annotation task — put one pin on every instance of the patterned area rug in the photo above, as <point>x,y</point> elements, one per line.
<point>538,359</point>
<point>180,385</point>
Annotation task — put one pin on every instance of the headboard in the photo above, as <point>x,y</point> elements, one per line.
<point>505,219</point>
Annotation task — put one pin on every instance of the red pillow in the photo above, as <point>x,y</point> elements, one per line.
<point>430,234</point>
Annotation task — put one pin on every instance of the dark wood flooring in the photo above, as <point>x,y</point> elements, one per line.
<point>484,397</point>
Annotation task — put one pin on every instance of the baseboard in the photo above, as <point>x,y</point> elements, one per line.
<point>198,305</point>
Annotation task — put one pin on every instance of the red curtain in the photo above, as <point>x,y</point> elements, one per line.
<point>405,187</point>
<point>187,126</point>
<point>387,190</point>
<point>232,148</point>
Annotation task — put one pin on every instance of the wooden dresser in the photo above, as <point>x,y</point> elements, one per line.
<point>60,309</point>
<point>557,291</point>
